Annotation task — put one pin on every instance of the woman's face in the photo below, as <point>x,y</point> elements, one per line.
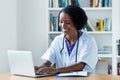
<point>66,24</point>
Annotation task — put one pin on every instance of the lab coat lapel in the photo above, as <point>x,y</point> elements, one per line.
<point>65,56</point>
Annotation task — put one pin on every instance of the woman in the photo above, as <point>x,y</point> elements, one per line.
<point>74,50</point>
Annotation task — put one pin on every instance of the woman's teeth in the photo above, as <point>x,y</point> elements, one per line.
<point>65,29</point>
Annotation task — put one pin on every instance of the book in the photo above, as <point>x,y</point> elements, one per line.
<point>97,3</point>
<point>118,68</point>
<point>59,3</point>
<point>91,3</point>
<point>55,27</point>
<point>56,3</point>
<point>94,3</point>
<point>97,24</point>
<point>63,3</point>
<point>109,69</point>
<point>106,3</point>
<point>50,4</point>
<point>84,3</point>
<point>86,27</point>
<point>101,24</point>
<point>51,22</point>
<point>73,74</point>
<point>107,24</point>
<point>75,2</point>
<point>100,3</point>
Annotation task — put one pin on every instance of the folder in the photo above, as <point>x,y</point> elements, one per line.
<point>73,74</point>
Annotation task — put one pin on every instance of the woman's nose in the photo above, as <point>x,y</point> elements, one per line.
<point>63,25</point>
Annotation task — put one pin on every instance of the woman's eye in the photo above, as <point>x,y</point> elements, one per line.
<point>64,22</point>
<point>60,22</point>
<point>67,22</point>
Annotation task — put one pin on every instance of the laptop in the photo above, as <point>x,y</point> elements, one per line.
<point>21,63</point>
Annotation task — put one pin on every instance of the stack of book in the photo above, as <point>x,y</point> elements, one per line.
<point>104,24</point>
<point>100,3</point>
<point>54,23</point>
<point>62,3</point>
<point>80,3</point>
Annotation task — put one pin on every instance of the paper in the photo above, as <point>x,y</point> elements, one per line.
<point>72,74</point>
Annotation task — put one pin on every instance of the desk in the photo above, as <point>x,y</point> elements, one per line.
<point>90,77</point>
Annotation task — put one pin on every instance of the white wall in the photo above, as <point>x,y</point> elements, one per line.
<point>7,31</point>
<point>119,16</point>
<point>23,26</point>
<point>32,27</point>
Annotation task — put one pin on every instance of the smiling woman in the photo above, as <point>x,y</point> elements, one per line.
<point>72,50</point>
<point>66,24</point>
<point>72,19</point>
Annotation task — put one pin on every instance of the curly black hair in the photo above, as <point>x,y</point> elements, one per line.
<point>77,15</point>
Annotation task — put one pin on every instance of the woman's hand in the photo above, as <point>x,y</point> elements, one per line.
<point>43,70</point>
<point>36,68</point>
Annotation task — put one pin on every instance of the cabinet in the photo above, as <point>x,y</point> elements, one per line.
<point>106,39</point>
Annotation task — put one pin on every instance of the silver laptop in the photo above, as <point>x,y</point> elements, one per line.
<point>21,63</point>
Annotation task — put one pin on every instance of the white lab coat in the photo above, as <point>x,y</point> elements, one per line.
<point>87,52</point>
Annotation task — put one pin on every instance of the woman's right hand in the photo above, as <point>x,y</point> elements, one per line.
<point>36,68</point>
<point>43,68</point>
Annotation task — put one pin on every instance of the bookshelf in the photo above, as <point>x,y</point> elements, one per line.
<point>104,38</point>
<point>87,9</point>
